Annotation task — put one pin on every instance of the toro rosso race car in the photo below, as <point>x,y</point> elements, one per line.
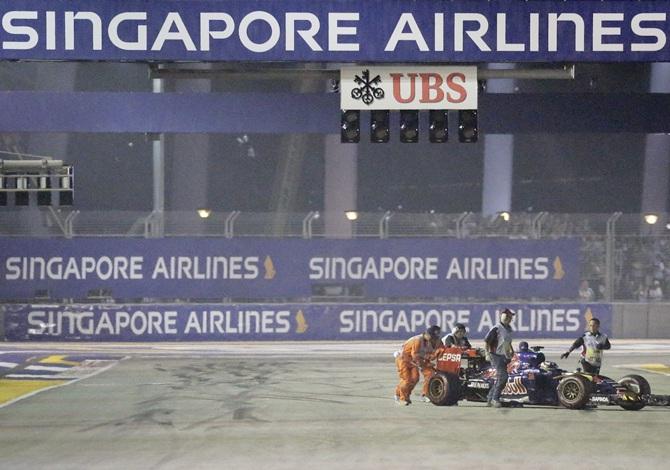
<point>464,374</point>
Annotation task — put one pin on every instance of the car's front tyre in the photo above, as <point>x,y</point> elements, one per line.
<point>573,392</point>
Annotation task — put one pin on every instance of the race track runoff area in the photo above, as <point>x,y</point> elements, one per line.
<point>296,405</point>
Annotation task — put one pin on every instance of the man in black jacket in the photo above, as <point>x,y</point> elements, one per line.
<point>592,342</point>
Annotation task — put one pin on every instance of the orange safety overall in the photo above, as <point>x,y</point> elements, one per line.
<point>415,353</point>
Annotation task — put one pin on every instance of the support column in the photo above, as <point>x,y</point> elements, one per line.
<point>158,172</point>
<point>62,77</point>
<point>657,152</point>
<point>289,168</point>
<point>188,161</point>
<point>340,186</point>
<point>498,157</point>
<point>57,76</point>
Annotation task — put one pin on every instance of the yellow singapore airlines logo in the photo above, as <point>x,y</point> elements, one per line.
<point>302,323</point>
<point>270,271</point>
<point>559,273</point>
<point>588,315</point>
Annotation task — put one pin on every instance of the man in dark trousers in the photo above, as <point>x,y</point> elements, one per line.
<point>499,348</point>
<point>592,342</point>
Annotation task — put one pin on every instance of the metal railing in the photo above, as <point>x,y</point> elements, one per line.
<point>27,221</point>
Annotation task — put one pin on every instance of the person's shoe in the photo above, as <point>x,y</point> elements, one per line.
<point>402,402</point>
<point>396,398</point>
<point>496,404</point>
<point>425,399</point>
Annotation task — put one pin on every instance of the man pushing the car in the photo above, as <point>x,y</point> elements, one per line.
<point>499,348</point>
<point>415,354</point>
<point>593,342</point>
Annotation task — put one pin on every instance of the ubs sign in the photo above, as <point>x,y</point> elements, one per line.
<point>421,87</point>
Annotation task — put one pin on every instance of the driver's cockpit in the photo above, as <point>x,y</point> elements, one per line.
<point>530,357</point>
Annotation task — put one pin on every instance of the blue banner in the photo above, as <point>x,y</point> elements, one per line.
<point>218,268</point>
<point>290,322</point>
<point>335,30</point>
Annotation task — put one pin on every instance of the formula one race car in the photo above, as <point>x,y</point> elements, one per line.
<point>464,374</point>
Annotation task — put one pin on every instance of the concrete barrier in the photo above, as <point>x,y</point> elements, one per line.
<point>659,321</point>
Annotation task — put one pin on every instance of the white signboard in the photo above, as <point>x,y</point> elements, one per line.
<point>408,87</point>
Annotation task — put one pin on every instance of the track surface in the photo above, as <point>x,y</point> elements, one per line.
<point>316,405</point>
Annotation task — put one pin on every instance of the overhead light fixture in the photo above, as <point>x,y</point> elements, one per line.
<point>379,126</point>
<point>504,215</point>
<point>22,177</point>
<point>467,126</point>
<point>438,131</point>
<point>44,194</point>
<point>350,131</point>
<point>66,186</point>
<point>204,213</point>
<point>22,196</point>
<point>351,215</point>
<point>409,126</point>
<point>651,219</point>
<point>3,193</point>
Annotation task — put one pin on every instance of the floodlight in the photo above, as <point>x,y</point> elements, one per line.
<point>651,219</point>
<point>204,213</point>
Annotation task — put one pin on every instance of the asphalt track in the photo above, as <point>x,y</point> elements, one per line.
<point>308,405</point>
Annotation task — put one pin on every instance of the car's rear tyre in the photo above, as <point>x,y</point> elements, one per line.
<point>574,392</point>
<point>638,385</point>
<point>444,389</point>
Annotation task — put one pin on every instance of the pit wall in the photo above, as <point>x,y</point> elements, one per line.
<point>316,321</point>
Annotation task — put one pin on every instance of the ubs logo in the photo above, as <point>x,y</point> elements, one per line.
<point>367,90</point>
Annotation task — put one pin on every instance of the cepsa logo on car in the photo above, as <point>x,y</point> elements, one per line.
<point>451,357</point>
